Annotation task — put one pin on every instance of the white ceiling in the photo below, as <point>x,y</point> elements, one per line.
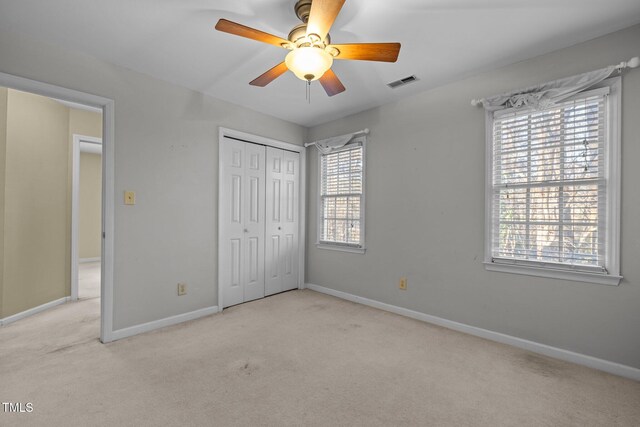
<point>442,41</point>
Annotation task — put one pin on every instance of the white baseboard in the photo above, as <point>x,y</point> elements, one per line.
<point>161,323</point>
<point>558,353</point>
<point>84,260</point>
<point>32,311</point>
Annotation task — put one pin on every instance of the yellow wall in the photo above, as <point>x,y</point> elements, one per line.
<point>86,123</point>
<point>89,221</point>
<point>3,141</point>
<point>37,226</point>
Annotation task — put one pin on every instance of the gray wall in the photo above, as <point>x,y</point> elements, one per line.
<point>166,149</point>
<point>425,215</point>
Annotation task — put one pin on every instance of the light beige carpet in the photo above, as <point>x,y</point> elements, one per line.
<point>299,358</point>
<point>89,280</point>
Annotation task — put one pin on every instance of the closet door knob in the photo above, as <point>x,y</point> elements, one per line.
<point>279,228</point>
<point>246,231</point>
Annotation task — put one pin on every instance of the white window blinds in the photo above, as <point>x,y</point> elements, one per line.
<point>548,201</point>
<point>341,196</point>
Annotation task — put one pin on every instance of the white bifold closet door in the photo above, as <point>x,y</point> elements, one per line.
<point>259,210</point>
<point>243,221</point>
<point>282,253</point>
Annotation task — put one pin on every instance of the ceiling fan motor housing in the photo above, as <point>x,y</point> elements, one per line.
<point>302,9</point>
<point>298,37</point>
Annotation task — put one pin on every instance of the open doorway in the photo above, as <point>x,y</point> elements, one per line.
<point>44,213</point>
<point>86,208</point>
<point>50,223</point>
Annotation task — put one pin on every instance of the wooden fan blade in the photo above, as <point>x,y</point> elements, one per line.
<point>270,75</point>
<point>322,15</point>
<point>385,52</point>
<point>331,83</point>
<point>250,33</point>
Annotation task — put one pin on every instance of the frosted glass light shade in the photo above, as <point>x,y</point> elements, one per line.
<point>308,63</point>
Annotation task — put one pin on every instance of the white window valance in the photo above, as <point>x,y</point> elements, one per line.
<point>327,145</point>
<point>548,94</point>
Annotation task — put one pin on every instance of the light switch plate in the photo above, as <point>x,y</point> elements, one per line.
<point>129,198</point>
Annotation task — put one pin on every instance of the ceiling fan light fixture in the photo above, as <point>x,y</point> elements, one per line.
<point>308,63</point>
<point>311,52</point>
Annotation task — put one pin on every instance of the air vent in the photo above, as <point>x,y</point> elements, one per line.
<point>402,82</point>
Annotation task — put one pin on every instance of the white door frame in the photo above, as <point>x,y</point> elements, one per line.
<point>75,207</point>
<point>302,201</point>
<point>108,171</point>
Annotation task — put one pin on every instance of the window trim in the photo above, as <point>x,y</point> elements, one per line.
<point>613,175</point>
<point>336,246</point>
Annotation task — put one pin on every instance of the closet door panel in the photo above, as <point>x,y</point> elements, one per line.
<point>254,221</point>
<point>232,218</point>
<point>289,225</point>
<point>273,280</point>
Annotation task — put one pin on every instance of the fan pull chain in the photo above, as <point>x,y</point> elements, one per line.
<point>308,91</point>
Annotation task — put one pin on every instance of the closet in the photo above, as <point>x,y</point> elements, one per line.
<point>259,220</point>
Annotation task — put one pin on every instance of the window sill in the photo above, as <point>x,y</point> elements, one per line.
<point>340,248</point>
<point>577,276</point>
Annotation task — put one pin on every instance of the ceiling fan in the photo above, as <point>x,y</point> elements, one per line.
<point>311,52</point>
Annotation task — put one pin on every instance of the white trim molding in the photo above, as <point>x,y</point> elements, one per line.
<point>558,353</point>
<point>34,310</point>
<point>85,260</point>
<point>555,273</point>
<point>341,248</point>
<point>161,323</point>
<point>78,106</point>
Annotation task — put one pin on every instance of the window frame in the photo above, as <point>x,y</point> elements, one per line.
<point>337,246</point>
<point>612,146</point>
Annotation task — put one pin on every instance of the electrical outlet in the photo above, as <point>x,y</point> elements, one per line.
<point>402,284</point>
<point>182,289</point>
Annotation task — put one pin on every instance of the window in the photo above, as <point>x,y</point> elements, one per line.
<point>552,188</point>
<point>341,204</point>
